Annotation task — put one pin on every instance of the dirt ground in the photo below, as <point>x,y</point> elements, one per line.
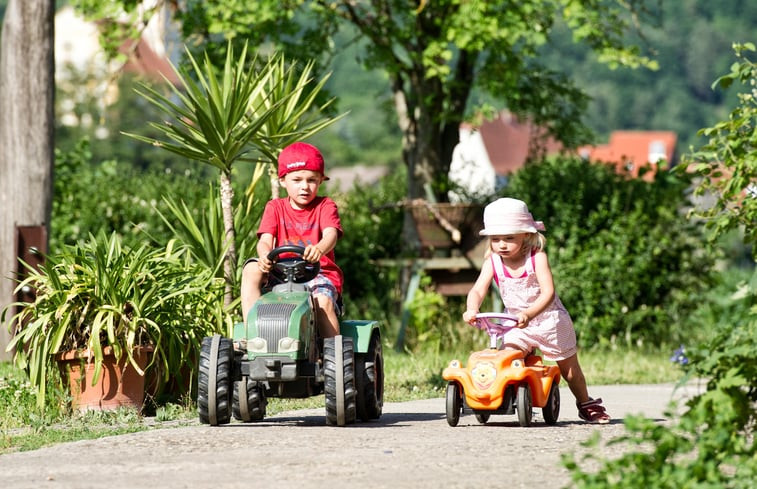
<point>410,446</point>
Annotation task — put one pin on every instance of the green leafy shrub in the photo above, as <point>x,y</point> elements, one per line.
<point>372,223</point>
<point>627,263</point>
<point>100,293</point>
<point>712,443</point>
<point>113,196</point>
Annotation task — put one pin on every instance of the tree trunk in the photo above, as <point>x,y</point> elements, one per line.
<point>230,260</point>
<point>27,87</point>
<point>428,140</point>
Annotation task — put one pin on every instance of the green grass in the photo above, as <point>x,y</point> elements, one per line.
<point>407,377</point>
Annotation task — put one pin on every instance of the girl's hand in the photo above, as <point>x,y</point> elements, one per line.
<point>523,320</point>
<point>469,317</point>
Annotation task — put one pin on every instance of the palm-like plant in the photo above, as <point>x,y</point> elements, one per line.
<point>291,121</point>
<point>240,117</point>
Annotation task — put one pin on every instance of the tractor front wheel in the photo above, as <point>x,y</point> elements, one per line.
<point>249,400</point>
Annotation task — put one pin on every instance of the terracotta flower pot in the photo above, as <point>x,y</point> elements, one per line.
<point>119,384</point>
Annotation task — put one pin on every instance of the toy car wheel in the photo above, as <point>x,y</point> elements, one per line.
<point>369,377</point>
<point>339,373</point>
<point>525,405</point>
<point>454,404</point>
<point>552,408</point>
<point>482,418</point>
<point>249,401</point>
<point>214,380</point>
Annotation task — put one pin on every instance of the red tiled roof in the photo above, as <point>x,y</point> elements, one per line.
<point>629,151</point>
<point>144,61</point>
<point>508,142</point>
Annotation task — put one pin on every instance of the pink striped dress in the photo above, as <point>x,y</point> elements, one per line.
<point>551,331</point>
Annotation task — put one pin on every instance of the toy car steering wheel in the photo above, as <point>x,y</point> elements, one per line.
<point>496,323</point>
<point>292,269</point>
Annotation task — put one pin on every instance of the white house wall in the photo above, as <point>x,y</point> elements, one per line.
<point>471,168</point>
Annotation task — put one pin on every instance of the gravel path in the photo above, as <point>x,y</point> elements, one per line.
<point>410,446</point>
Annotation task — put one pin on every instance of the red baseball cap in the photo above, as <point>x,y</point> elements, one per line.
<point>300,156</point>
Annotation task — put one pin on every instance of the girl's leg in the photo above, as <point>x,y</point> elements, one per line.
<point>590,410</point>
<point>574,376</point>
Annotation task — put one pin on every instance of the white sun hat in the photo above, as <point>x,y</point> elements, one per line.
<point>509,216</point>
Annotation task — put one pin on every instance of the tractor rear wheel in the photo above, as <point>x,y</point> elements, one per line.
<point>339,374</point>
<point>369,378</point>
<point>214,380</point>
<point>249,400</point>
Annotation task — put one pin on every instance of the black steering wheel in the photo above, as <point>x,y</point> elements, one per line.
<point>292,269</point>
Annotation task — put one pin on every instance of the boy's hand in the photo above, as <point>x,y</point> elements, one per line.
<point>312,254</point>
<point>265,264</point>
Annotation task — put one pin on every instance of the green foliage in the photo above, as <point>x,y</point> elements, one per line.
<point>727,163</point>
<point>100,293</point>
<point>433,55</point>
<point>113,196</point>
<point>691,40</point>
<point>627,264</point>
<point>712,443</point>
<point>372,224</point>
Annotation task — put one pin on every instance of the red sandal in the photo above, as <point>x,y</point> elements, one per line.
<point>592,411</point>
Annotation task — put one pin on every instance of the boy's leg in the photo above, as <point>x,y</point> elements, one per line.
<point>328,322</point>
<point>252,281</point>
<point>325,297</point>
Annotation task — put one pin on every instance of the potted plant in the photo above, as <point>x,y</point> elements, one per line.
<point>116,312</point>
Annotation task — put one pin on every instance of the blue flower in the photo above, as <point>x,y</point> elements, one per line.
<point>679,356</point>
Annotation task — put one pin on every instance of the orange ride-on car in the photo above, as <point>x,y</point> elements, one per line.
<point>501,381</point>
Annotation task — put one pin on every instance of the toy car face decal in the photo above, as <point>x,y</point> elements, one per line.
<point>483,374</point>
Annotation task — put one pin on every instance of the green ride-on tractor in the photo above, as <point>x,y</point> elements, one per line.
<point>280,353</point>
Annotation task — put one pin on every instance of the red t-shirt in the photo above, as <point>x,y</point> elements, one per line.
<point>303,227</point>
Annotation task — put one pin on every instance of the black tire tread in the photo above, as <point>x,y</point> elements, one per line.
<point>350,394</point>
<point>224,374</point>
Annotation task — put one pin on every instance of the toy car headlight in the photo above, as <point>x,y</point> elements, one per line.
<point>287,345</point>
<point>517,363</point>
<point>454,364</point>
<point>257,345</point>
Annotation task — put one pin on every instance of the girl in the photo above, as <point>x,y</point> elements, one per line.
<point>516,261</point>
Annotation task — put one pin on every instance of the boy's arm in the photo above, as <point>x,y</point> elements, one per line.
<point>329,237</point>
<point>265,245</point>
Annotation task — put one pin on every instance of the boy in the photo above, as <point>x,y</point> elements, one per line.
<point>304,219</point>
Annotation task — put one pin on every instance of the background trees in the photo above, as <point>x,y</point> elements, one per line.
<point>434,57</point>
